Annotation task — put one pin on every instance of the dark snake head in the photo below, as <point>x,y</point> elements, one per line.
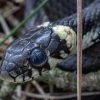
<point>36,52</point>
<point>30,55</point>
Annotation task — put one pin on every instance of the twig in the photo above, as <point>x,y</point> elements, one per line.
<point>10,12</point>
<point>15,98</point>
<point>17,94</point>
<point>5,26</point>
<point>18,91</point>
<point>58,97</point>
<point>79,48</point>
<point>26,90</point>
<point>41,91</point>
<point>14,23</point>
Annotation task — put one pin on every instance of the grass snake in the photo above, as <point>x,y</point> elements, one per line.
<point>53,44</point>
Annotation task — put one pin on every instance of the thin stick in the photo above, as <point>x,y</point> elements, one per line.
<point>14,23</point>
<point>5,27</point>
<point>79,48</point>
<point>39,88</point>
<point>27,89</point>
<point>47,96</point>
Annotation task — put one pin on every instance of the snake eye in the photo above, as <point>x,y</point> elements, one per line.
<point>38,58</point>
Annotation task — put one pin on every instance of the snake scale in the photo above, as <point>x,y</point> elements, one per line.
<point>53,44</point>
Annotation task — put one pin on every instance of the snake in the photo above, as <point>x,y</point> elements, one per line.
<point>54,44</point>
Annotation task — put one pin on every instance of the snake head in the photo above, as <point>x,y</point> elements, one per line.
<point>36,52</point>
<point>26,57</point>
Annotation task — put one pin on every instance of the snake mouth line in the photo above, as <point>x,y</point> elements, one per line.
<point>23,74</point>
<point>17,75</point>
<point>21,70</point>
<point>28,75</point>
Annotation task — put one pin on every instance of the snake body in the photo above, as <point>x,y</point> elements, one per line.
<point>52,44</point>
